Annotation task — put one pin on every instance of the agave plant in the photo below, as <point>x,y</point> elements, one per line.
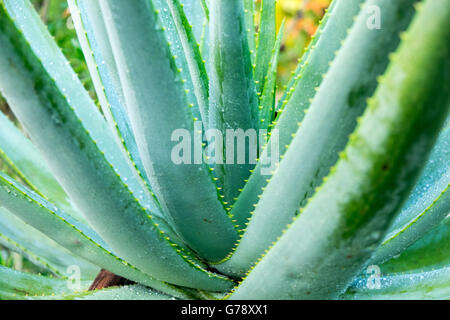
<point>355,204</point>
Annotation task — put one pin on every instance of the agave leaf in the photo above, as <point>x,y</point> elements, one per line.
<point>249,9</point>
<point>426,207</point>
<point>67,232</point>
<point>266,38</point>
<point>62,121</point>
<point>205,7</point>
<point>304,61</point>
<point>20,285</point>
<point>204,46</point>
<point>39,249</point>
<point>24,286</point>
<point>335,234</point>
<point>31,168</point>
<point>314,64</point>
<point>233,99</point>
<point>267,100</point>
<point>158,110</point>
<point>320,138</point>
<point>196,13</point>
<point>430,252</point>
<point>179,56</point>
<point>98,54</point>
<point>426,259</point>
<point>396,242</point>
<point>90,27</point>
<point>72,92</point>
<point>433,284</point>
<point>193,57</point>
<point>134,292</point>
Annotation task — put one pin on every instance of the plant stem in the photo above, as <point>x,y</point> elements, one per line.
<point>107,279</point>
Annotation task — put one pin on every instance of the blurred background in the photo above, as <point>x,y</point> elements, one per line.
<point>302,19</point>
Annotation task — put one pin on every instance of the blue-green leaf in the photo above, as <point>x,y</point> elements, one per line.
<point>198,107</point>
<point>66,126</point>
<point>159,112</point>
<point>335,234</point>
<point>196,15</point>
<point>314,64</point>
<point>430,252</point>
<point>133,292</point>
<point>267,100</point>
<point>39,248</point>
<point>195,63</point>
<point>16,285</point>
<point>20,285</point>
<point>233,99</point>
<point>249,9</point>
<point>428,285</point>
<point>426,207</point>
<point>97,50</point>
<point>67,232</point>
<point>324,131</point>
<point>30,167</point>
<point>266,38</point>
<point>417,273</point>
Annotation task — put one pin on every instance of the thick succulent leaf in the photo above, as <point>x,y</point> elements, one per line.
<point>28,164</point>
<point>78,239</point>
<point>204,46</point>
<point>426,207</point>
<point>233,99</point>
<point>20,285</point>
<point>433,181</point>
<point>39,46</point>
<point>205,6</point>
<point>20,237</point>
<point>266,38</point>
<point>115,293</point>
<point>204,38</point>
<point>65,125</point>
<point>347,217</point>
<point>415,273</point>
<point>176,49</point>
<point>196,15</point>
<point>90,27</point>
<point>320,137</point>
<point>314,65</point>
<point>249,9</point>
<point>304,61</point>
<point>195,63</point>
<point>97,50</point>
<point>16,285</point>
<point>158,110</point>
<point>267,100</point>
<point>428,285</point>
<point>134,292</point>
<point>401,239</point>
<point>430,252</point>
